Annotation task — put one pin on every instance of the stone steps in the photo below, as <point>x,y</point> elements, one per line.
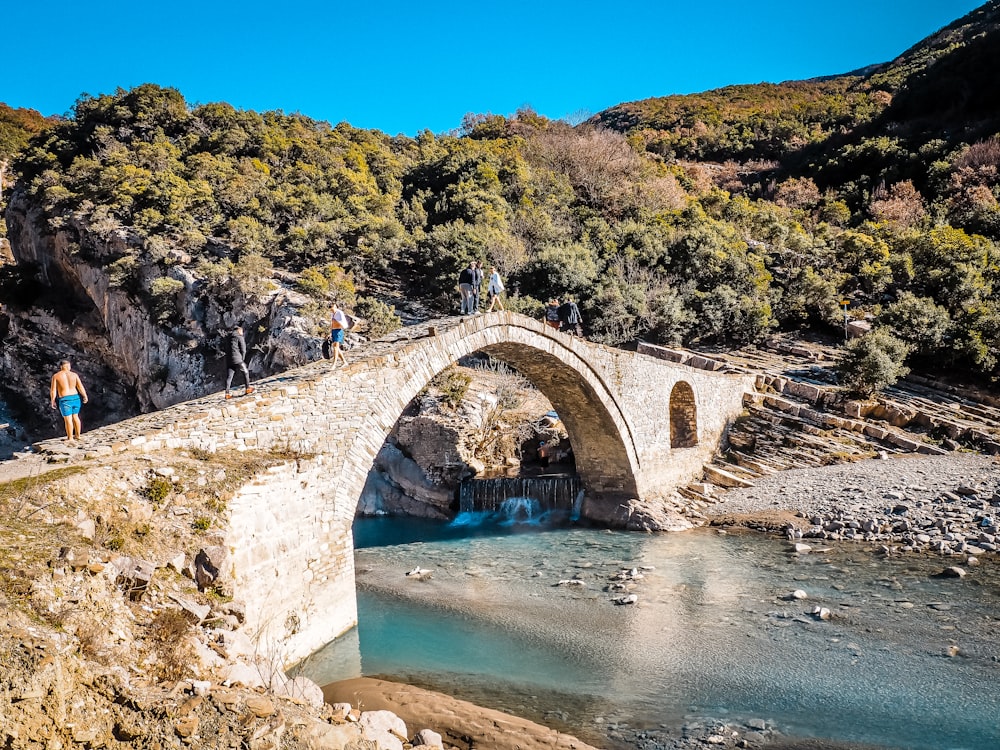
<point>799,418</point>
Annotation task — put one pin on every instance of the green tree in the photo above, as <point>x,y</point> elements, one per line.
<point>919,322</point>
<point>873,362</point>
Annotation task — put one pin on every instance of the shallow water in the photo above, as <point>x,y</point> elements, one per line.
<point>712,634</point>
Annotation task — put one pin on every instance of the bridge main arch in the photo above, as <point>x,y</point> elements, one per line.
<point>602,439</point>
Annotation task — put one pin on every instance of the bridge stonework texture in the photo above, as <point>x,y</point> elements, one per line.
<point>639,426</point>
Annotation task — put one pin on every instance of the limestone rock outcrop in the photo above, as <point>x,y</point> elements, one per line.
<point>85,295</point>
<point>434,447</point>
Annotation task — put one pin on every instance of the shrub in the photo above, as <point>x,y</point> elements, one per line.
<point>326,281</point>
<point>201,523</point>
<point>163,293</point>
<point>873,362</point>
<point>917,321</point>
<point>157,489</point>
<point>166,633</point>
<point>252,274</point>
<point>453,385</point>
<point>380,318</point>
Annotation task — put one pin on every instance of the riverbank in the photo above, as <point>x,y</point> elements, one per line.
<point>946,496</point>
<point>948,505</point>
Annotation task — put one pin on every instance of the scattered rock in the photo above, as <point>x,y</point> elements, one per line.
<point>260,706</point>
<point>383,727</point>
<point>208,566</point>
<point>953,572</point>
<point>419,574</point>
<point>428,738</point>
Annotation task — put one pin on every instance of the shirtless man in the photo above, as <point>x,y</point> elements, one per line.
<point>68,388</point>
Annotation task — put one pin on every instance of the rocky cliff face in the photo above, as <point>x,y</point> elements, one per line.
<point>435,445</point>
<point>134,353</point>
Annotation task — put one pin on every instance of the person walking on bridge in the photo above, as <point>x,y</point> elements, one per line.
<point>551,314</point>
<point>570,320</point>
<point>477,284</point>
<point>68,389</point>
<point>466,279</point>
<point>494,289</point>
<point>338,324</point>
<point>236,353</point>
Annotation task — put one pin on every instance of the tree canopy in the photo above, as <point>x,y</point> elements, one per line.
<point>709,219</point>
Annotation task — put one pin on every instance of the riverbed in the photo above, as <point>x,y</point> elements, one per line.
<point>526,623</point>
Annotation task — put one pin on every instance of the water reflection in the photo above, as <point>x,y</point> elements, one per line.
<point>712,634</point>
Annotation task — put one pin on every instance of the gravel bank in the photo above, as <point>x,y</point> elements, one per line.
<point>948,504</point>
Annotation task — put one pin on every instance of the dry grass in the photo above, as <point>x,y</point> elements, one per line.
<point>166,633</point>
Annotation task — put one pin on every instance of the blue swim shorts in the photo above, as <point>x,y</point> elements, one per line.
<point>70,405</point>
<point>337,335</point>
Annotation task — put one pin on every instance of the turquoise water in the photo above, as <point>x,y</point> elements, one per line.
<point>713,634</point>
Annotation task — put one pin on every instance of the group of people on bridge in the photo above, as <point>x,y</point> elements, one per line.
<point>563,315</point>
<point>470,286</point>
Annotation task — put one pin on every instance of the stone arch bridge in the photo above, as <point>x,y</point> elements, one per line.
<point>639,426</point>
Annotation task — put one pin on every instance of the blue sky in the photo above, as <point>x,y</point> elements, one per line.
<point>403,67</point>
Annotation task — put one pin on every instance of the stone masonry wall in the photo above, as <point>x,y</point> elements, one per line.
<point>292,560</point>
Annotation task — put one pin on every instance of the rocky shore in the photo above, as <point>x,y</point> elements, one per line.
<point>942,504</point>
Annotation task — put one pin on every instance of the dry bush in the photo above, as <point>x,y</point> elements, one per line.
<point>980,156</point>
<point>166,633</point>
<point>900,205</point>
<point>600,164</point>
<point>797,193</point>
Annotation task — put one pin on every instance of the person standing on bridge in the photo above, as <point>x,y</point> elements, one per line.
<point>68,389</point>
<point>338,324</point>
<point>477,284</point>
<point>466,279</point>
<point>494,289</point>
<point>570,320</point>
<point>551,316</point>
<point>236,353</point>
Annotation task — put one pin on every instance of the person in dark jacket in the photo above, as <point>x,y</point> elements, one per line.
<point>570,320</point>
<point>466,279</point>
<point>477,284</point>
<point>236,352</point>
<point>551,314</point>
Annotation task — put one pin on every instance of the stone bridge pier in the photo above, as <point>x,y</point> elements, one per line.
<point>639,427</point>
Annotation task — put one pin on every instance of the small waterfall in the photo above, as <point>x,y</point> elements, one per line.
<point>520,509</point>
<point>552,493</point>
<point>518,499</point>
<point>577,507</point>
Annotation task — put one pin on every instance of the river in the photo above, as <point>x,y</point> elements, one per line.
<point>907,660</point>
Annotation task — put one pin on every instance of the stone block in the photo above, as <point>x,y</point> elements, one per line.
<point>879,433</point>
<point>723,478</point>
<point>901,441</point>
<point>803,390</point>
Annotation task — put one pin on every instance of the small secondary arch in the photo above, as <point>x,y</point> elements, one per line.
<point>683,416</point>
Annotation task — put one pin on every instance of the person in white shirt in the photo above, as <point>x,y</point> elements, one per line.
<point>338,324</point>
<point>493,289</point>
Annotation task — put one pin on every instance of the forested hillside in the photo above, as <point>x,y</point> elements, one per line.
<point>704,219</point>
<point>16,128</point>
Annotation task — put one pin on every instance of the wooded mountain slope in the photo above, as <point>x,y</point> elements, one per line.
<point>712,218</point>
